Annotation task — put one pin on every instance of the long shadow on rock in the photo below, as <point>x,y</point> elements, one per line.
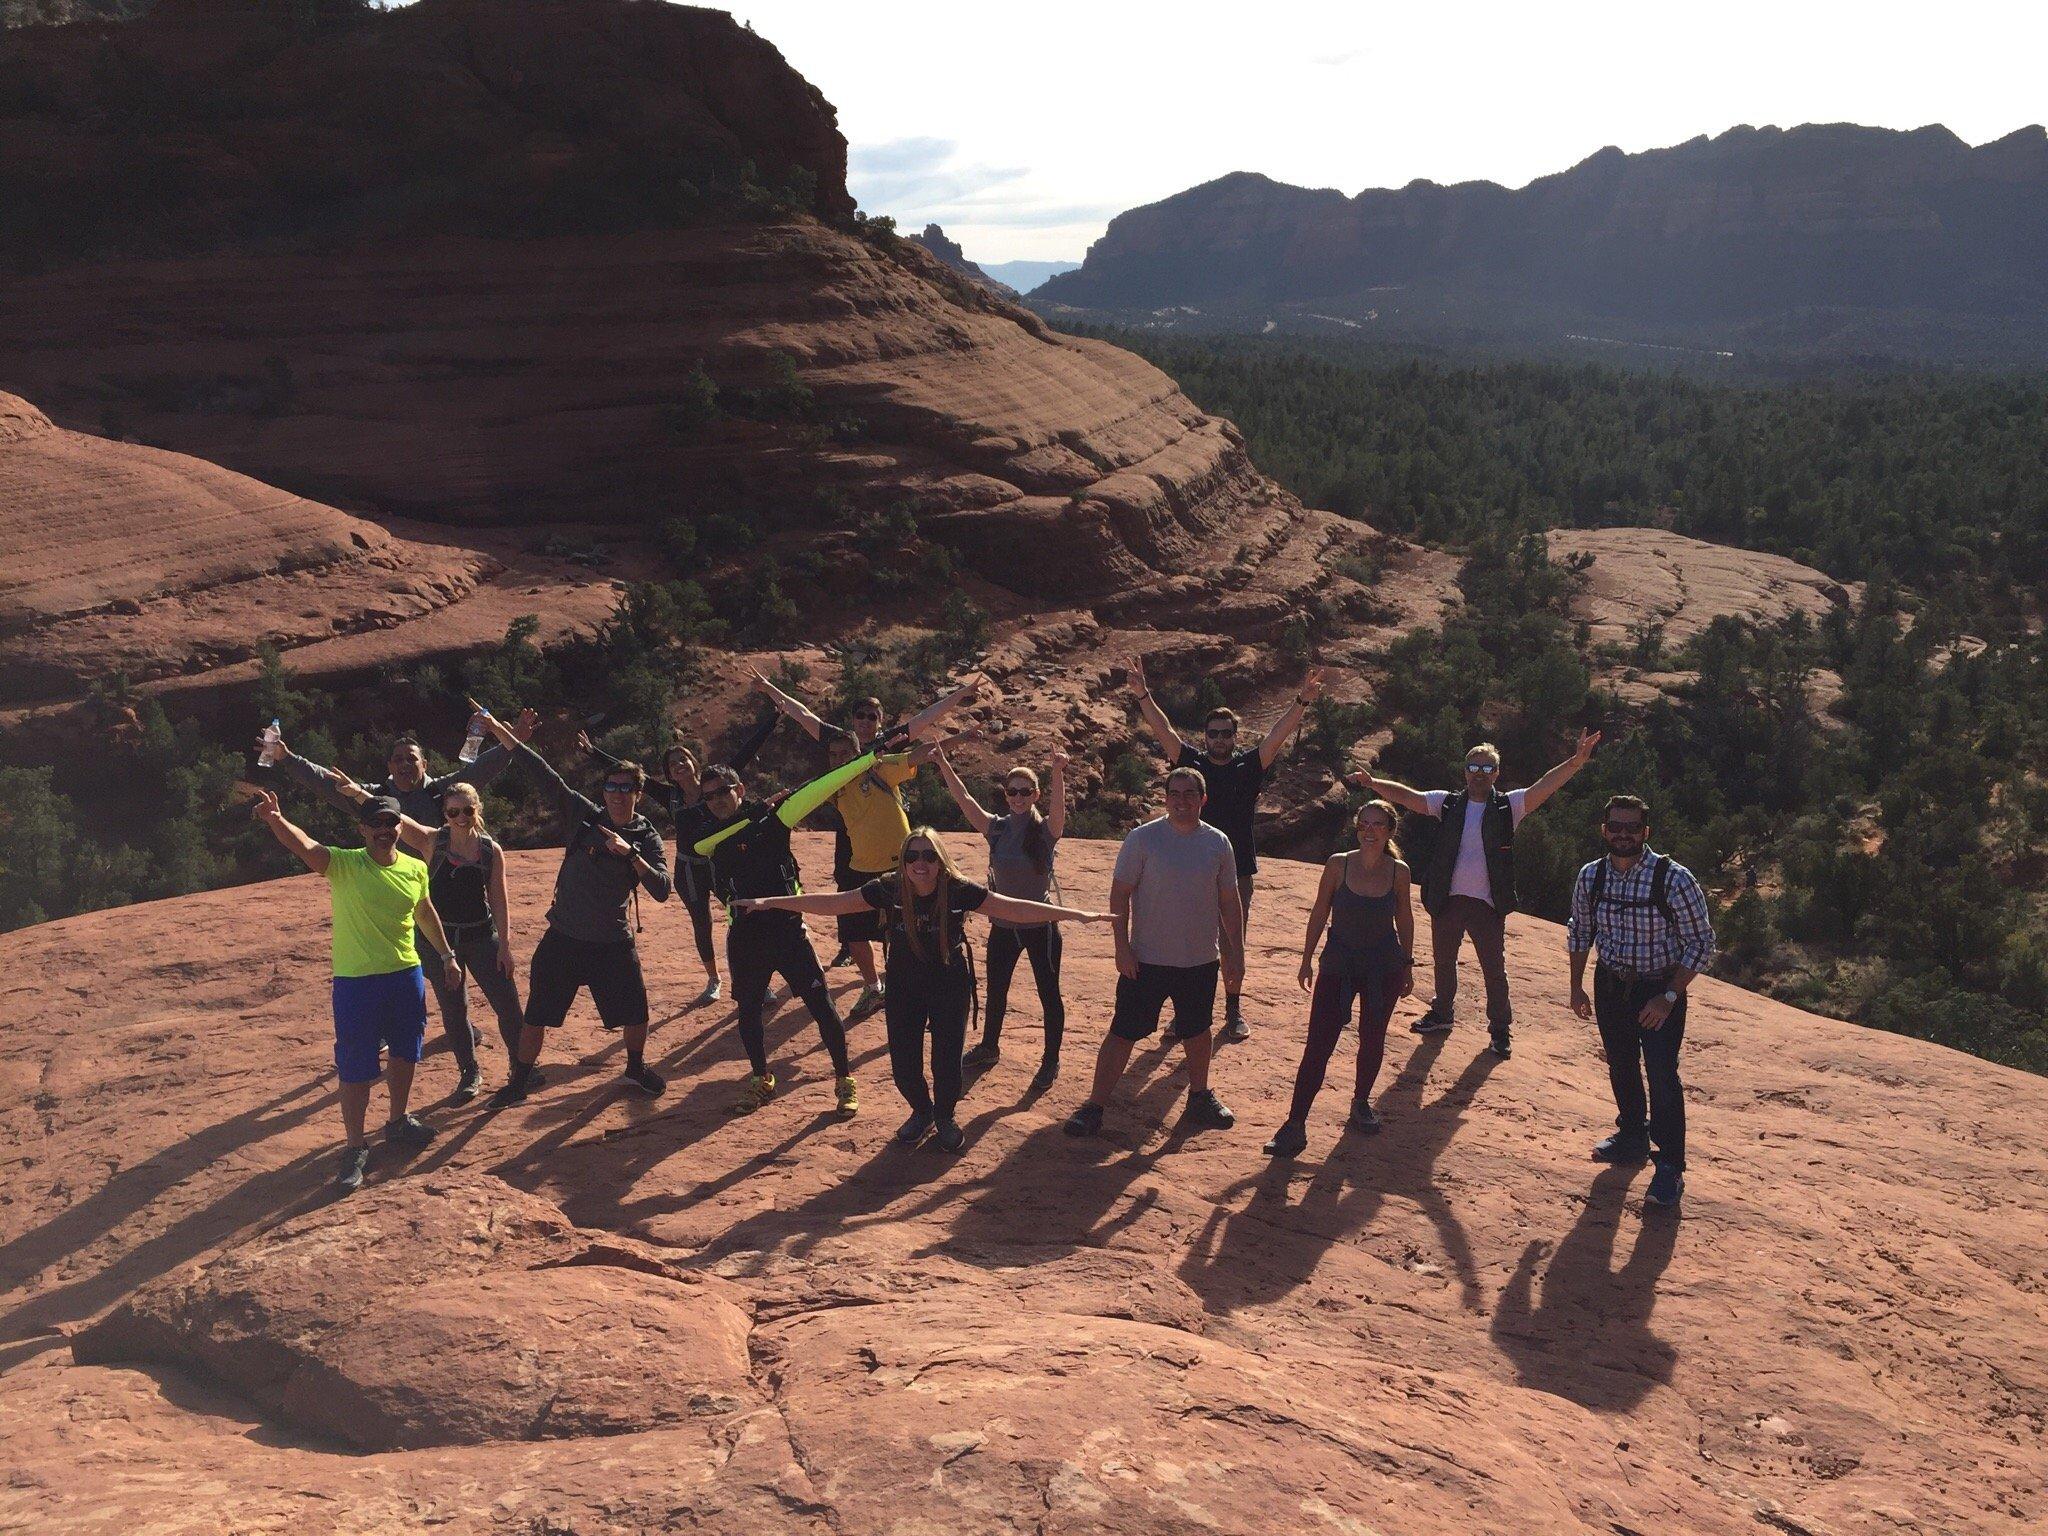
<point>129,1192</point>
<point>1588,1338</point>
<point>1257,1253</point>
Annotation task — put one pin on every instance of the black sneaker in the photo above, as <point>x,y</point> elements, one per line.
<point>1500,1043</point>
<point>1364,1119</point>
<point>1288,1141</point>
<point>1667,1186</point>
<point>912,1131</point>
<point>409,1131</point>
<point>353,1161</point>
<point>1432,1022</point>
<point>1085,1121</point>
<point>467,1087</point>
<point>949,1137</point>
<point>1235,1031</point>
<point>507,1096</point>
<point>1047,1074</point>
<point>1204,1108</point>
<point>647,1080</point>
<point>844,957</point>
<point>985,1054</point>
<point>1622,1148</point>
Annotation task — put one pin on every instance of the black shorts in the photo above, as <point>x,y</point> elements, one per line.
<point>1139,999</point>
<point>865,924</point>
<point>562,966</point>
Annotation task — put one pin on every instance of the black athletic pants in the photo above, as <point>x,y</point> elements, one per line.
<point>934,999</point>
<point>757,946</point>
<point>454,1006</point>
<point>1042,944</point>
<point>694,886</point>
<point>1633,1052</point>
<point>476,947</point>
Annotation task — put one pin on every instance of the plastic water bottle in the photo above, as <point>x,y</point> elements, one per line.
<point>273,744</point>
<point>473,743</point>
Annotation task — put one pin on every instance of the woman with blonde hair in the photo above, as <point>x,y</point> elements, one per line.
<point>466,882</point>
<point>930,984</point>
<point>1365,899</point>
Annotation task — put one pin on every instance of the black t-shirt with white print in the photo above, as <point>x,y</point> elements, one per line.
<point>885,895</point>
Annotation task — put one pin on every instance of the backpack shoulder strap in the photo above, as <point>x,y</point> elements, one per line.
<point>1660,889</point>
<point>1599,890</point>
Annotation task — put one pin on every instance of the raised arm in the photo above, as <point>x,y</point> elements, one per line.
<point>1013,910</point>
<point>569,805</point>
<point>928,717</point>
<point>311,775</point>
<point>1318,915</point>
<point>591,749</point>
<point>744,753</point>
<point>795,708</point>
<point>977,815</point>
<point>1290,722</point>
<point>416,835</point>
<point>1398,794</point>
<point>309,853</point>
<point>1559,776</point>
<point>1056,797</point>
<point>822,904</point>
<point>1155,718</point>
<point>494,759</point>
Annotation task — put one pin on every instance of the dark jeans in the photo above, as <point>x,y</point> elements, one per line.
<point>1042,944</point>
<point>1462,915</point>
<point>1329,1010</point>
<point>477,949</point>
<point>1633,1051</point>
<point>923,998</point>
<point>759,944</point>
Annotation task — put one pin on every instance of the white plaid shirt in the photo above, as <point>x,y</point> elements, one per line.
<point>1631,933</point>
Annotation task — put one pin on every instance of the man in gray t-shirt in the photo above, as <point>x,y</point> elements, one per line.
<point>1173,897</point>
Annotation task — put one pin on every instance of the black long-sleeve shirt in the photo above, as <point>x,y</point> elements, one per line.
<point>691,818</point>
<point>594,885</point>
<point>422,803</point>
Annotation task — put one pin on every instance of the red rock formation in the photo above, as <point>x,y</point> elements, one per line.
<point>599,1312</point>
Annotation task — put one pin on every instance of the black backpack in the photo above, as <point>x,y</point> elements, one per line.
<point>1660,894</point>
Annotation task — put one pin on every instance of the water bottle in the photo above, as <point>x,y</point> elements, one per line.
<point>273,744</point>
<point>473,743</point>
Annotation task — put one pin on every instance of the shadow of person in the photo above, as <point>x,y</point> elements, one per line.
<point>1588,1338</point>
<point>1257,1253</point>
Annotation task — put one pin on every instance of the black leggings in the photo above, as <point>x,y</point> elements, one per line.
<point>1329,1010</point>
<point>477,948</point>
<point>922,998</point>
<point>694,886</point>
<point>759,944</point>
<point>1042,944</point>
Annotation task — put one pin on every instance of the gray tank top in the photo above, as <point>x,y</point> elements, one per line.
<point>1362,935</point>
<point>1011,869</point>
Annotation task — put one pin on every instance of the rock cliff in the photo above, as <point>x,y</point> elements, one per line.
<point>602,1313</point>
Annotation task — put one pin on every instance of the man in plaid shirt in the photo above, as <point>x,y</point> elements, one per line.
<point>1648,917</point>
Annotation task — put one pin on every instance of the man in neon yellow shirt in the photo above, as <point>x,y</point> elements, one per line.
<point>380,992</point>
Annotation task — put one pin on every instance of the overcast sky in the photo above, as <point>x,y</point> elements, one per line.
<point>1023,127</point>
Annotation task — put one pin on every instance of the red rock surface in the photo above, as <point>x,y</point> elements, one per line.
<point>601,1313</point>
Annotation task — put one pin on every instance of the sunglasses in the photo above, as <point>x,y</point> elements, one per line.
<point>867,714</point>
<point>1019,791</point>
<point>721,787</point>
<point>1223,731</point>
<point>1376,824</point>
<point>621,787</point>
<point>921,856</point>
<point>382,824</point>
<point>1482,767</point>
<point>1625,826</point>
<point>458,812</point>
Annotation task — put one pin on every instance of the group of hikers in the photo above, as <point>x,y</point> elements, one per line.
<point>1179,901</point>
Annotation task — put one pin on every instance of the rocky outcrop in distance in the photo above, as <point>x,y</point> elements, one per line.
<point>935,240</point>
<point>1824,240</point>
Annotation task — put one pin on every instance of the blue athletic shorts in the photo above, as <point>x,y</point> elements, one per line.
<point>373,1013</point>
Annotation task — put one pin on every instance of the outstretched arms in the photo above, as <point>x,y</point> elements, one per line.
<point>1397,794</point>
<point>822,904</point>
<point>1010,909</point>
<point>1290,722</point>
<point>310,853</point>
<point>1559,776</point>
<point>1155,718</point>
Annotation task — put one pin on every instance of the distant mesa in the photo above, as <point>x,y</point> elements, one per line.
<point>1825,240</point>
<point>934,239</point>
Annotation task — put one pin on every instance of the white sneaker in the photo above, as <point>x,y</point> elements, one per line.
<point>713,991</point>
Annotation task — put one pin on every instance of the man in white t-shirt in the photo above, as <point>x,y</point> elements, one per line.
<point>1468,879</point>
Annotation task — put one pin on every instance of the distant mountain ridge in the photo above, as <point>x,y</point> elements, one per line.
<point>1024,276</point>
<point>1822,238</point>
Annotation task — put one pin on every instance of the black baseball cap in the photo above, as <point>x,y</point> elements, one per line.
<point>378,806</point>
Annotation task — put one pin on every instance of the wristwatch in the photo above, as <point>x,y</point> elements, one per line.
<point>1670,997</point>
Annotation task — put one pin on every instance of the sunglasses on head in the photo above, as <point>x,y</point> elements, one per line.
<point>920,856</point>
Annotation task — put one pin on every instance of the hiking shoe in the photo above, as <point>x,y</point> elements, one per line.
<point>467,1087</point>
<point>714,989</point>
<point>849,1096</point>
<point>1204,1108</point>
<point>758,1089</point>
<point>1363,1119</point>
<point>1500,1042</point>
<point>1432,1022</point>
<point>1622,1147</point>
<point>1085,1121</point>
<point>353,1161</point>
<point>869,1000</point>
<point>1667,1184</point>
<point>986,1054</point>
<point>911,1131</point>
<point>507,1096</point>
<point>844,957</point>
<point>646,1079</point>
<point>1235,1031</point>
<point>1047,1074</point>
<point>1288,1141</point>
<point>409,1131</point>
<point>949,1137</point>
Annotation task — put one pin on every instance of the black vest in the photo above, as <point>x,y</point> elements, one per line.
<point>1497,836</point>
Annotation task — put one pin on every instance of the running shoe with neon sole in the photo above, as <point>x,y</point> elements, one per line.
<point>849,1096</point>
<point>758,1089</point>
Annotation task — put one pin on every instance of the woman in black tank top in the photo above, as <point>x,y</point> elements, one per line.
<point>1365,898</point>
